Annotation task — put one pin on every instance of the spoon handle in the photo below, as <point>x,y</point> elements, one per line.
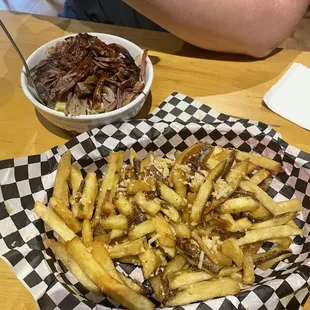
<point>16,47</point>
<point>22,58</point>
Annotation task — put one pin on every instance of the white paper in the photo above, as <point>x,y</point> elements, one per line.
<point>290,96</point>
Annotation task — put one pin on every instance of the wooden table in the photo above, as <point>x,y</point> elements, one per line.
<point>230,84</point>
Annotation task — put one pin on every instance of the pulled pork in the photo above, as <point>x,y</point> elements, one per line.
<point>89,75</point>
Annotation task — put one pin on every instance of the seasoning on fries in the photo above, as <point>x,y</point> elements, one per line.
<point>194,224</point>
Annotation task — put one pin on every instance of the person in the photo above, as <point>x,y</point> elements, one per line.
<point>251,27</point>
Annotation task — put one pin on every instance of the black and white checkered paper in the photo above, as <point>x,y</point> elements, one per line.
<point>178,122</point>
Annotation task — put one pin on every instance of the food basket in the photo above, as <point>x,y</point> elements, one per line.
<point>177,123</point>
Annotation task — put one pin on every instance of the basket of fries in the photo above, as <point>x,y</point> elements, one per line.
<point>187,209</point>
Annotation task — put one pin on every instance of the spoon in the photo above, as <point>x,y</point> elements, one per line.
<point>22,59</point>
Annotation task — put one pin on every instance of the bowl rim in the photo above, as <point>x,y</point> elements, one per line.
<point>40,106</point>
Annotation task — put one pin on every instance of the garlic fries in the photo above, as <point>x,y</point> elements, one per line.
<point>194,224</point>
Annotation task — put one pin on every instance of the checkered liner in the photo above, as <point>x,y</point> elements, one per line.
<point>178,122</point>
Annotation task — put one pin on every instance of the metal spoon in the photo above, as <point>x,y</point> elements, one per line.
<point>23,60</point>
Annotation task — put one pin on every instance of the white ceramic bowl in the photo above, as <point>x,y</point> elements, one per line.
<point>84,122</point>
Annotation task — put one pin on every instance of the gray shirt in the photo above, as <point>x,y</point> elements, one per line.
<point>114,12</point>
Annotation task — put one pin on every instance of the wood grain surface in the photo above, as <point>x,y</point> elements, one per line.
<point>230,84</point>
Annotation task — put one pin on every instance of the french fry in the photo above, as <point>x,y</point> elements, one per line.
<point>54,221</point>
<point>161,254</point>
<point>182,279</point>
<point>240,225</point>
<point>61,187</point>
<point>251,168</point>
<point>204,193</point>
<point>147,161</point>
<point>142,230</point>
<point>136,168</point>
<point>228,271</point>
<point>181,230</point>
<point>282,243</point>
<point>229,163</point>
<point>187,153</point>
<point>135,186</point>
<point>270,263</point>
<point>117,233</point>
<point>216,255</point>
<point>268,233</point>
<point>99,233</point>
<point>214,160</point>
<point>248,270</point>
<point>187,208</point>
<point>261,196</point>
<point>87,233</point>
<point>60,251</point>
<point>100,252</point>
<point>231,249</point>
<point>108,285</point>
<point>233,179</point>
<point>217,149</point>
<point>199,159</point>
<point>159,286</point>
<point>205,290</point>
<point>149,261</point>
<point>171,212</point>
<point>261,258</point>
<point>293,205</point>
<point>110,180</point>
<point>65,214</point>
<point>179,182</point>
<point>260,214</point>
<point>237,276</point>
<point>108,208</point>
<point>150,206</point>
<point>162,228</point>
<point>174,265</point>
<point>89,194</point>
<point>132,156</point>
<point>183,156</point>
<point>265,184</point>
<point>75,180</point>
<point>171,196</point>
<point>207,264</point>
<point>115,222</point>
<point>204,231</point>
<point>252,248</point>
<point>128,248</point>
<point>169,251</point>
<point>277,220</point>
<point>205,248</point>
<point>132,284</point>
<point>260,176</point>
<point>261,161</point>
<point>234,205</point>
<point>134,260</point>
<point>293,224</point>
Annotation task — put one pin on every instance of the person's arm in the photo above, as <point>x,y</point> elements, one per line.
<point>253,27</point>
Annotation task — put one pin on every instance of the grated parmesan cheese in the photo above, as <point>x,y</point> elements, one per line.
<point>154,238</point>
<point>185,168</point>
<point>197,179</point>
<point>163,165</point>
<point>221,189</point>
<point>201,258</point>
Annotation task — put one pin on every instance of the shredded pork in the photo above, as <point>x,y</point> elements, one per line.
<point>89,75</point>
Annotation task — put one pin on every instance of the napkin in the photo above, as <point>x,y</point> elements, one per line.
<point>290,96</point>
